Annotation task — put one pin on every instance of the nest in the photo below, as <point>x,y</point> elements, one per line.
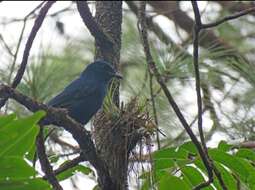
<point>117,132</point>
<point>117,129</point>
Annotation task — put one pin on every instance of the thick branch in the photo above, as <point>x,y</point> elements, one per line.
<point>92,25</point>
<point>59,117</point>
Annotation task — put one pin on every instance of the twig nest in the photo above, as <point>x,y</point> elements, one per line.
<point>121,129</point>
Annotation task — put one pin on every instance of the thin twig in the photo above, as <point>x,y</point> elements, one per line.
<point>153,68</point>
<point>55,138</point>
<point>227,18</point>
<point>154,108</point>
<point>45,164</point>
<point>20,39</point>
<point>67,165</point>
<point>197,28</point>
<point>15,58</point>
<point>36,27</point>
<point>31,17</point>
<point>37,24</point>
<point>6,45</point>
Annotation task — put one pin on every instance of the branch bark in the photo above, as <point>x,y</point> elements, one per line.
<point>95,30</point>
<point>45,164</point>
<point>59,117</point>
<point>37,24</point>
<point>153,68</point>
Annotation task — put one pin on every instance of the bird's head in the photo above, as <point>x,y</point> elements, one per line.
<point>101,70</point>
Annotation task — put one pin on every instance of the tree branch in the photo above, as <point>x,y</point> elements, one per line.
<point>99,35</point>
<point>37,24</point>
<point>152,66</point>
<point>45,164</point>
<point>197,28</point>
<point>59,117</point>
<point>227,18</point>
<point>67,165</point>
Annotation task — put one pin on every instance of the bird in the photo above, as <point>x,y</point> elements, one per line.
<point>84,96</point>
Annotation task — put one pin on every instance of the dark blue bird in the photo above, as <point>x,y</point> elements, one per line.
<point>84,96</point>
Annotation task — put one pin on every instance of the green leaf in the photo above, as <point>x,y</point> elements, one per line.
<point>193,177</point>
<point>15,168</point>
<point>28,184</point>
<point>227,177</point>
<point>18,136</point>
<point>163,163</point>
<point>246,153</point>
<point>173,182</point>
<point>173,153</point>
<point>224,146</point>
<point>79,168</point>
<point>189,146</point>
<point>170,157</point>
<point>251,173</point>
<point>5,119</point>
<point>230,161</point>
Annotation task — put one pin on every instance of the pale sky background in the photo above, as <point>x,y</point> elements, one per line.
<point>75,27</point>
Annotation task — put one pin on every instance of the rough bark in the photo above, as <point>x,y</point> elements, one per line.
<point>109,18</point>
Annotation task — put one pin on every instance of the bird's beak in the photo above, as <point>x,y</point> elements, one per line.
<point>118,75</point>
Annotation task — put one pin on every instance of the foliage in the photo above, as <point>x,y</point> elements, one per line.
<point>181,168</point>
<point>17,139</point>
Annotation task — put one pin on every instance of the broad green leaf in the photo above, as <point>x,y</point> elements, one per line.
<point>19,135</point>
<point>246,153</point>
<point>5,119</point>
<point>223,146</point>
<point>251,173</point>
<point>28,184</point>
<point>173,153</point>
<point>172,182</point>
<point>15,168</point>
<point>232,162</point>
<point>170,157</point>
<point>227,177</point>
<point>189,146</point>
<point>31,152</point>
<point>163,163</point>
<point>193,177</point>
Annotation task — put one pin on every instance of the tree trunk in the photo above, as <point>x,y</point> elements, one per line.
<point>109,18</point>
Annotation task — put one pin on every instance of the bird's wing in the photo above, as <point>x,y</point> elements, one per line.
<point>77,90</point>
